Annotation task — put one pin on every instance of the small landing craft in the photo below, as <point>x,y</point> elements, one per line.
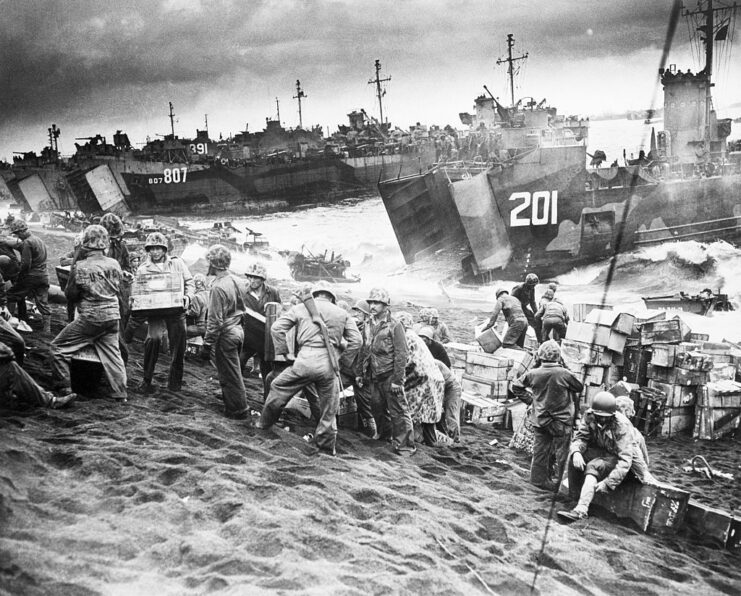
<point>704,303</point>
<point>529,202</point>
<point>305,266</point>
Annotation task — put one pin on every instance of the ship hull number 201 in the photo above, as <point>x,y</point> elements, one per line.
<point>534,209</point>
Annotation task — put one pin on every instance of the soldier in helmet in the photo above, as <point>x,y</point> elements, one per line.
<point>525,293</point>
<point>118,249</point>
<point>33,279</point>
<point>94,284</point>
<point>158,261</point>
<point>352,371</point>
<point>195,318</point>
<point>384,364</point>
<point>16,385</point>
<point>431,317</point>
<point>315,361</point>
<point>256,295</point>
<point>224,333</point>
<point>511,308</point>
<point>8,335</point>
<point>601,454</point>
<point>554,393</point>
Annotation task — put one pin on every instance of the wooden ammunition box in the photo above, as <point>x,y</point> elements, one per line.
<point>477,409</point>
<point>488,366</point>
<point>677,396</point>
<point>664,332</point>
<point>157,294</point>
<point>489,388</point>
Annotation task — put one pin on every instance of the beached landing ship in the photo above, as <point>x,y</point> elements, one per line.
<point>306,266</point>
<point>537,207</point>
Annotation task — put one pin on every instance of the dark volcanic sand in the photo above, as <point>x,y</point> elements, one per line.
<point>164,495</point>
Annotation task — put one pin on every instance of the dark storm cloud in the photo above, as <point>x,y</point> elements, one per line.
<point>55,55</point>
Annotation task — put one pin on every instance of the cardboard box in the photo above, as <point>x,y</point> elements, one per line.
<point>585,353</point>
<point>494,389</point>
<point>488,366</point>
<point>617,321</point>
<point>475,408</point>
<point>157,294</point>
<point>677,396</point>
<point>664,332</point>
<point>677,420</point>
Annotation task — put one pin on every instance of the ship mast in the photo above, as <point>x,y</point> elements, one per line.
<point>510,60</point>
<point>299,94</point>
<point>277,107</point>
<point>377,82</point>
<point>172,120</point>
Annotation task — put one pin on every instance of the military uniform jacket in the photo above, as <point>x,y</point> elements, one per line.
<point>225,307</point>
<point>553,389</point>
<point>170,265</point>
<point>94,284</point>
<point>258,304</point>
<point>615,437</point>
<point>33,258</point>
<point>386,349</point>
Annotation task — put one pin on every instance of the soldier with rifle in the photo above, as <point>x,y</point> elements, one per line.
<point>321,327</point>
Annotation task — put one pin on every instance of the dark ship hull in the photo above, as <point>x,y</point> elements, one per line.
<point>548,213</point>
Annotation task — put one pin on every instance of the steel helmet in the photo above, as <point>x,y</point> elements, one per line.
<point>549,351</point>
<point>112,223</point>
<point>219,257</point>
<point>604,404</point>
<point>257,269</point>
<point>425,315</point>
<point>548,294</point>
<point>434,314</point>
<point>95,237</point>
<point>155,239</point>
<point>323,287</point>
<point>5,261</point>
<point>362,306</point>
<point>553,286</point>
<point>199,281</point>
<point>18,226</point>
<point>531,279</point>
<point>501,291</point>
<point>427,332</point>
<point>379,295</point>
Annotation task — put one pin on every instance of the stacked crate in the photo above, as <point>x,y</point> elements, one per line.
<point>677,369</point>
<point>457,353</point>
<point>485,383</point>
<point>718,410</point>
<point>725,361</point>
<point>593,349</point>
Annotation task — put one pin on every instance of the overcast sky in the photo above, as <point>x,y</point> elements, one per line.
<point>93,66</point>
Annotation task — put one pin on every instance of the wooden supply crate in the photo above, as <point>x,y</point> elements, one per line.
<point>677,396</point>
<point>677,420</point>
<point>667,354</point>
<point>588,393</point>
<point>493,389</point>
<point>585,353</point>
<point>710,347</point>
<point>708,524</point>
<point>664,332</point>
<point>657,510</point>
<point>157,294</point>
<point>718,410</point>
<point>477,409</point>
<point>676,376</point>
<point>489,340</point>
<point>696,361</point>
<point>636,365</point>
<point>457,352</point>
<point>522,361</point>
<point>617,321</point>
<point>722,372</point>
<point>488,366</point>
<point>579,312</point>
<point>649,410</point>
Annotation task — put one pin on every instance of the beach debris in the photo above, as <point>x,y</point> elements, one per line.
<point>493,442</point>
<point>705,469</point>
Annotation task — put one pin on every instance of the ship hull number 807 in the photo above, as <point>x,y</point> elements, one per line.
<point>170,176</point>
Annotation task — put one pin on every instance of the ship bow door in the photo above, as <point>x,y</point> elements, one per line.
<point>597,233</point>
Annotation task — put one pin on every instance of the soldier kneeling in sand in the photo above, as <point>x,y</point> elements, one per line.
<point>16,385</point>
<point>601,454</point>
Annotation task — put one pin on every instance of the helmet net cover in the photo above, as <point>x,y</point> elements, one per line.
<point>549,351</point>
<point>219,257</point>
<point>379,295</point>
<point>112,223</point>
<point>531,279</point>
<point>323,286</point>
<point>95,237</point>
<point>257,269</point>
<point>18,226</point>
<point>155,239</point>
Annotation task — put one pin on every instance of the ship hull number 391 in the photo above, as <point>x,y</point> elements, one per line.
<point>539,208</point>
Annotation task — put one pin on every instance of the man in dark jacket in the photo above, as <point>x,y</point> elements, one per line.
<point>33,279</point>
<point>437,349</point>
<point>516,322</point>
<point>8,335</point>
<point>384,370</point>
<point>525,293</point>
<point>601,454</point>
<point>553,391</point>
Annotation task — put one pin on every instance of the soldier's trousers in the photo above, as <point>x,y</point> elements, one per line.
<point>13,340</point>
<point>553,441</point>
<point>103,337</point>
<point>392,415</point>
<point>31,286</point>
<point>311,366</point>
<point>226,359</point>
<point>450,422</point>
<point>174,326</point>
<point>17,385</point>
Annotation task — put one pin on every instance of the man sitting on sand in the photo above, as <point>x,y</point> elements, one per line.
<point>601,454</point>
<point>16,385</point>
<point>551,389</point>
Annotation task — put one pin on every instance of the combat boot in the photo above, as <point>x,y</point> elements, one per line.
<point>60,401</point>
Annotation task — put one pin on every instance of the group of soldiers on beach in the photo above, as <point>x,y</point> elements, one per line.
<point>397,367</point>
